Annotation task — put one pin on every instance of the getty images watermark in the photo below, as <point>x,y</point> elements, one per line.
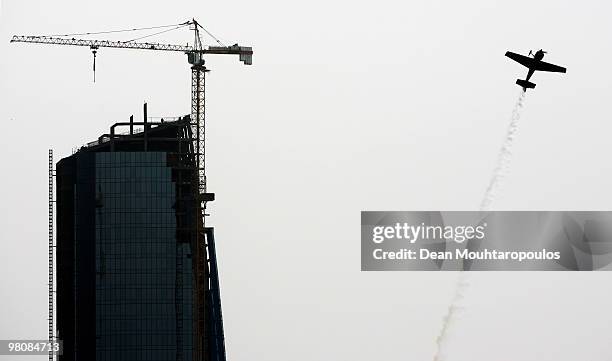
<point>486,241</point>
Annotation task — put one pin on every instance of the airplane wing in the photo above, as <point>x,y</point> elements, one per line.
<point>543,66</point>
<point>521,59</point>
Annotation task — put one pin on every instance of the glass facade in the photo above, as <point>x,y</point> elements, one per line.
<point>143,276</point>
<point>130,285</point>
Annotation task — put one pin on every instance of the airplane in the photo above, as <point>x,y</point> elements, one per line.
<point>533,64</point>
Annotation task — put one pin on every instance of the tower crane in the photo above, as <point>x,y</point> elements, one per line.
<point>195,57</point>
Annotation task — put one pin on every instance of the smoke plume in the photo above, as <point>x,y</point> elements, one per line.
<point>503,164</point>
<point>503,159</point>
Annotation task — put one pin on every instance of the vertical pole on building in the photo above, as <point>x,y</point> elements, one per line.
<point>146,127</point>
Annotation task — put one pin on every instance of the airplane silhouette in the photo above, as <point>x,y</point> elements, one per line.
<point>533,64</point>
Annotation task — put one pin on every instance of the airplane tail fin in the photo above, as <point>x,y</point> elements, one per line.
<point>525,84</point>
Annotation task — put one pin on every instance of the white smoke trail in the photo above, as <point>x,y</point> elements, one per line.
<point>505,154</point>
<point>503,164</point>
<point>450,318</point>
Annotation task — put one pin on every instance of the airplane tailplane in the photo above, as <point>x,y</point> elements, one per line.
<point>525,84</point>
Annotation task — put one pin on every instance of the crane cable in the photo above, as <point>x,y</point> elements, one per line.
<point>157,33</point>
<point>121,31</point>
<point>212,36</point>
<point>173,26</point>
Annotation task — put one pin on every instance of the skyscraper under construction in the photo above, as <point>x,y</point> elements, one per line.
<point>136,267</point>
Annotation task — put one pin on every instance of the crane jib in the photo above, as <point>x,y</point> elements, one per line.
<point>99,43</point>
<point>243,51</point>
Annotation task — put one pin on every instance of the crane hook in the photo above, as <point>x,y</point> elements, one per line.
<point>94,50</point>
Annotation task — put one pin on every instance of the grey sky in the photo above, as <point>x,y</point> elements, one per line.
<point>349,106</point>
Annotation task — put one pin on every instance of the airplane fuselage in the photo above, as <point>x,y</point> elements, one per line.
<point>534,64</point>
<point>539,55</point>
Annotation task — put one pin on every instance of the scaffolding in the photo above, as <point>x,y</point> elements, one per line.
<point>51,260</point>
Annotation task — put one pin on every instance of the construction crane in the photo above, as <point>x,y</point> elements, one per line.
<point>195,57</point>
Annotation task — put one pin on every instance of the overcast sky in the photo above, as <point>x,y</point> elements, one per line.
<point>348,106</point>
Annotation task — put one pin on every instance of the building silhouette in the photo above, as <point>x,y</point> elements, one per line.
<point>136,267</point>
